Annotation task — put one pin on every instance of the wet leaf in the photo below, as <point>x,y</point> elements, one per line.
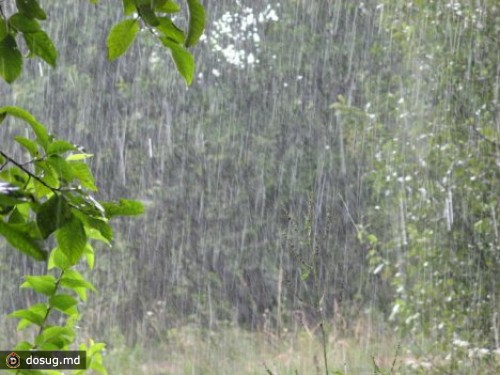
<point>38,128</point>
<point>41,45</point>
<point>82,172</point>
<point>121,37</point>
<point>21,242</point>
<point>59,147</point>
<point>75,157</point>
<point>52,215</point>
<point>31,9</point>
<point>28,144</point>
<point>24,24</point>
<point>74,280</point>
<point>169,30</point>
<point>59,336</point>
<point>35,314</point>
<point>72,239</point>
<point>129,7</point>
<point>44,284</point>
<point>58,259</point>
<point>196,22</point>
<point>11,60</point>
<point>168,6</point>
<point>64,169</point>
<point>148,15</point>
<point>123,207</point>
<point>182,58</point>
<point>3,29</point>
<point>63,302</point>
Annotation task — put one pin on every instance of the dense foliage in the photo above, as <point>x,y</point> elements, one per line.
<point>46,200</point>
<point>340,163</point>
<point>436,176</point>
<point>46,186</point>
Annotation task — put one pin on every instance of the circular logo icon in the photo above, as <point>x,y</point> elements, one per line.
<point>13,360</point>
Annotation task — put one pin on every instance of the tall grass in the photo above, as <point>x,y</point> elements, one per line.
<point>230,350</point>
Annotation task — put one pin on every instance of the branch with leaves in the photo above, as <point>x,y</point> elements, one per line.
<point>48,199</point>
<point>54,201</point>
<point>156,15</point>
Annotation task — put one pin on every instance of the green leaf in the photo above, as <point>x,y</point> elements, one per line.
<point>128,7</point>
<point>41,45</point>
<point>60,336</point>
<point>63,302</point>
<point>158,3</point>
<point>28,144</point>
<point>148,15</point>
<point>74,280</point>
<point>52,215</point>
<point>49,347</point>
<point>59,147</point>
<point>196,22</point>
<point>97,365</point>
<point>24,24</point>
<point>83,173</point>
<point>38,128</point>
<point>121,37</point>
<point>96,209</point>
<point>11,199</point>
<point>168,6</point>
<point>58,259</point>
<point>45,284</point>
<point>21,242</point>
<point>16,217</point>
<point>23,345</point>
<point>35,314</point>
<point>50,177</point>
<point>169,30</point>
<point>75,157</point>
<point>31,9</point>
<point>182,58</point>
<point>98,230</point>
<point>3,29</point>
<point>372,239</point>
<point>123,207</point>
<point>63,168</point>
<point>72,239</point>
<point>11,60</point>
<point>89,255</point>
<point>96,348</point>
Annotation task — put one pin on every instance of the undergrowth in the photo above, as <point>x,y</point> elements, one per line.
<point>231,350</point>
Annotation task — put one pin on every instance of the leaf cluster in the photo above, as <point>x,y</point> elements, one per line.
<point>47,199</point>
<point>155,16</point>
<point>23,24</point>
<point>152,15</point>
<point>47,207</point>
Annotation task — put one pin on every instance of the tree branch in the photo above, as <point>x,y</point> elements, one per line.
<point>29,173</point>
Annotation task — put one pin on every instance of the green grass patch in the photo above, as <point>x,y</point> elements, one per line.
<point>231,350</point>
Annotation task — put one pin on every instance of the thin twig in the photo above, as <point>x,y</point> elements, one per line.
<point>323,333</point>
<point>269,372</point>
<point>29,173</point>
<point>376,369</point>
<point>393,367</point>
